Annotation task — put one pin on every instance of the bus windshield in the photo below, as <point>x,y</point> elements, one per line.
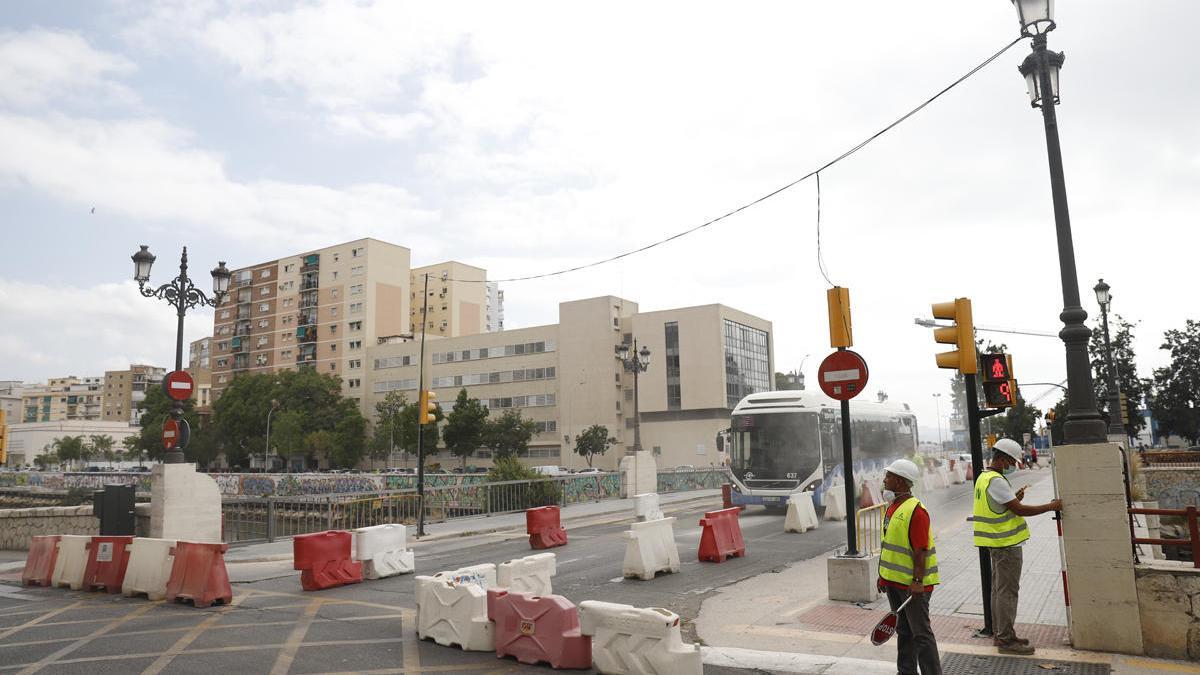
<point>782,447</point>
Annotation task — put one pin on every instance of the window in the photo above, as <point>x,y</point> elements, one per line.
<point>333,346</point>
<point>674,390</point>
<point>333,294</point>
<point>336,257</point>
<point>333,312</point>
<point>355,384</point>
<point>222,346</point>
<point>333,329</point>
<point>264,307</point>
<point>261,359</point>
<point>356,271</point>
<point>289,267</point>
<point>288,302</point>
<point>265,274</point>
<point>263,323</point>
<point>357,252</point>
<point>356,344</point>
<point>225,314</point>
<point>747,367</point>
<point>356,289</point>
<point>355,325</point>
<point>356,308</point>
<point>356,363</point>
<point>333,366</point>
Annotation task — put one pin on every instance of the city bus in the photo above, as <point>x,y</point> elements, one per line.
<point>783,442</point>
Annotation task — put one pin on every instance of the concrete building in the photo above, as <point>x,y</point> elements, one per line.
<point>494,316</point>
<point>28,440</point>
<point>200,353</point>
<point>62,398</point>
<point>459,300</point>
<point>125,389</point>
<point>566,378</point>
<point>10,400</point>
<point>319,309</point>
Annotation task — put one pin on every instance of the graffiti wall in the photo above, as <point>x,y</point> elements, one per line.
<point>54,480</point>
<point>682,481</point>
<point>1174,488</point>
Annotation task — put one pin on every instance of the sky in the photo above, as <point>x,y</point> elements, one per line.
<point>531,137</point>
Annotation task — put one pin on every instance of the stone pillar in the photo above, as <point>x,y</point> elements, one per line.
<point>639,474</point>
<point>853,579</point>
<point>1104,613</point>
<point>184,504</point>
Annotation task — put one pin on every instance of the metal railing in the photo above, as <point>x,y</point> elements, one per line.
<point>255,519</point>
<point>1193,529</point>
<point>870,528</point>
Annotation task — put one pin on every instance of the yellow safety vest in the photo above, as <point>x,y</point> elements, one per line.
<point>995,530</point>
<point>896,558</point>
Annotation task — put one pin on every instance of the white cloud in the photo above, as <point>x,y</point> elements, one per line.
<point>38,66</point>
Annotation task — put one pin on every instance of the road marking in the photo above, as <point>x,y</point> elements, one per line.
<point>16,629</point>
<point>616,580</point>
<point>1155,665</point>
<point>409,644</point>
<point>112,625</point>
<point>283,662</point>
<point>164,659</point>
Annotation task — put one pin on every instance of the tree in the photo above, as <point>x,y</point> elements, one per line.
<point>1057,430</point>
<point>593,441</point>
<point>155,409</point>
<point>387,425</point>
<point>1176,404</point>
<point>132,449</point>
<point>406,429</point>
<point>1125,368</point>
<point>103,445</point>
<point>68,449</point>
<point>465,426</point>
<point>47,457</point>
<point>508,435</point>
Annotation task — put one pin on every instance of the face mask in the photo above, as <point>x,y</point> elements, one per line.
<point>888,495</point>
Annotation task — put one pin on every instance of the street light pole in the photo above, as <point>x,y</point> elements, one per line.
<point>267,449</point>
<point>182,294</point>
<point>638,363</point>
<point>1104,297</point>
<point>937,402</point>
<point>1040,69</point>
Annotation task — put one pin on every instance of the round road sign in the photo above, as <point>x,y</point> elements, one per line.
<point>178,385</point>
<point>170,433</point>
<point>842,375</point>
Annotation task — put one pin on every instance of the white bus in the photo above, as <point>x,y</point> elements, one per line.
<point>790,441</point>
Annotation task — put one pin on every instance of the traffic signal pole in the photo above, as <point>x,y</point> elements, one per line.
<point>848,466</point>
<point>985,560</point>
<point>420,427</point>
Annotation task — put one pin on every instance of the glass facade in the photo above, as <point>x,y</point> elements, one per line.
<point>674,393</point>
<point>747,362</point>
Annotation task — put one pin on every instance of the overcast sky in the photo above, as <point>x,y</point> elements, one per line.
<point>527,137</point>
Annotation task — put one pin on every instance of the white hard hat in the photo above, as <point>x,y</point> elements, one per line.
<point>905,469</point>
<point>1009,447</point>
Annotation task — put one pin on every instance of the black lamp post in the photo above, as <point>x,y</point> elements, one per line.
<point>182,294</point>
<point>1084,423</point>
<point>1104,297</point>
<point>638,363</point>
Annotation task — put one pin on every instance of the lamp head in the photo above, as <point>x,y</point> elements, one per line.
<point>1033,81</point>
<point>142,262</point>
<point>623,351</point>
<point>644,356</point>
<point>1036,16</point>
<point>1103,296</point>
<point>221,276</point>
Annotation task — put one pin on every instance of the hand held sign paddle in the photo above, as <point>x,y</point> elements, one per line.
<point>886,628</point>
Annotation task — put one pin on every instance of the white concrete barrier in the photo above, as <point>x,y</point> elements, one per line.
<point>958,475</point>
<point>801,514</point>
<point>636,641</point>
<point>650,548</point>
<point>383,551</point>
<point>452,608</point>
<point>150,563</point>
<point>944,475</point>
<point>646,507</point>
<point>835,503</point>
<point>530,574</point>
<point>71,562</point>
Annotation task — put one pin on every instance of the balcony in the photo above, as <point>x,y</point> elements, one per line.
<point>307,318</point>
<point>310,283</point>
<point>241,363</point>
<point>310,262</point>
<point>307,334</point>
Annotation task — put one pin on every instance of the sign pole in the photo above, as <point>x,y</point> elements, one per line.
<point>847,463</point>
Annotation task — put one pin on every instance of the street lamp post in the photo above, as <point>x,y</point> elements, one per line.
<point>267,449</point>
<point>182,294</point>
<point>1104,297</point>
<point>937,402</point>
<point>638,363</point>
<point>1041,69</point>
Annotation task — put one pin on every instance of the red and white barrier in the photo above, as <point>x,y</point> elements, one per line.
<point>538,629</point>
<point>650,548</point>
<point>71,562</point>
<point>39,563</point>
<point>636,641</point>
<point>150,563</point>
<point>452,608</point>
<point>835,503</point>
<point>198,574</point>
<point>107,559</point>
<point>323,559</point>
<point>383,551</point>
<point>530,574</point>
<point>646,507</point>
<point>545,531</point>
<point>721,537</point>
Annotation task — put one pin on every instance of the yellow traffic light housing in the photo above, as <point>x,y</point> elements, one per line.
<point>841,330</point>
<point>1124,409</point>
<point>961,334</point>
<point>428,404</point>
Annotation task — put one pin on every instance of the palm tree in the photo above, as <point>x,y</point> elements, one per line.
<point>103,445</point>
<point>69,449</point>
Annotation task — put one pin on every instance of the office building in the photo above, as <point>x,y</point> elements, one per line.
<point>125,389</point>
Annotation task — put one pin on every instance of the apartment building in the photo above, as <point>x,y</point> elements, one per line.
<point>10,400</point>
<point>460,300</point>
<point>200,353</point>
<point>320,309</point>
<point>565,377</point>
<point>125,389</point>
<point>62,399</point>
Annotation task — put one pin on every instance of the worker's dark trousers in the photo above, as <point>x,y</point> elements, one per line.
<point>915,643</point>
<point>1006,583</point>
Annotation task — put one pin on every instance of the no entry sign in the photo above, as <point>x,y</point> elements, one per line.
<point>178,385</point>
<point>842,375</point>
<point>170,433</point>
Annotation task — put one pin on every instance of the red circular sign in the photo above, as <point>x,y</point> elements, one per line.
<point>170,433</point>
<point>842,375</point>
<point>178,385</point>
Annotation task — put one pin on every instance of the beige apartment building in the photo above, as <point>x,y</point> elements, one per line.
<point>459,300</point>
<point>321,309</point>
<point>566,377</point>
<point>125,389</point>
<point>62,399</point>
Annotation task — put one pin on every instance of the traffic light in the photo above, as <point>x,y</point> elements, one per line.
<point>1124,410</point>
<point>428,405</point>
<point>1050,415</point>
<point>991,440</point>
<point>962,334</point>
<point>999,385</point>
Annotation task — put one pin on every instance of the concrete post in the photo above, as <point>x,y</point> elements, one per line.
<point>1104,614</point>
<point>639,474</point>
<point>184,504</point>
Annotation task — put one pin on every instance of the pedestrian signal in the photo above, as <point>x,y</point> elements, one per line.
<point>996,367</point>
<point>1000,394</point>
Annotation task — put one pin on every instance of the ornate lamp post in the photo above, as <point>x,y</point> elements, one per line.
<point>267,450</point>
<point>638,363</point>
<point>182,294</point>
<point>1040,69</point>
<point>1104,297</point>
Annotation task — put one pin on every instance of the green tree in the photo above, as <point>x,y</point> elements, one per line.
<point>103,446</point>
<point>1176,405</point>
<point>1057,433</point>
<point>465,426</point>
<point>406,428</point>
<point>69,449</point>
<point>1124,365</point>
<point>46,458</point>
<point>132,449</point>
<point>155,409</point>
<point>508,435</point>
<point>387,425</point>
<point>593,441</point>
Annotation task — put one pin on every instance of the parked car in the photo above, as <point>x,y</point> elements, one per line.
<point>550,470</point>
<point>590,469</point>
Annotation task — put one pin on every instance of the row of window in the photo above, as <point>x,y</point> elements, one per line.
<point>498,377</point>
<point>494,352</point>
<point>531,401</point>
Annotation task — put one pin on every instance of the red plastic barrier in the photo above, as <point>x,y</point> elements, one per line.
<point>538,628</point>
<point>107,560</point>
<point>39,565</point>
<point>970,471</point>
<point>721,537</point>
<point>324,560</point>
<point>864,499</point>
<point>199,574</point>
<point>726,496</point>
<point>543,527</point>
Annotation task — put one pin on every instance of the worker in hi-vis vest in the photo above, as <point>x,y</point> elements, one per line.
<point>908,567</point>
<point>1000,527</point>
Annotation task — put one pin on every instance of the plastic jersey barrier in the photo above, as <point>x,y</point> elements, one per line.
<point>636,641</point>
<point>71,562</point>
<point>150,563</point>
<point>383,551</point>
<point>323,559</point>
<point>538,629</point>
<point>801,514</point>
<point>107,559</point>
<point>542,524</point>
<point>650,548</point>
<point>198,574</point>
<point>646,507</point>
<point>530,574</point>
<point>835,504</point>
<point>722,536</point>
<point>452,608</point>
<point>39,564</point>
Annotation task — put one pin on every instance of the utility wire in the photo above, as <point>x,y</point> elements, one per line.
<point>814,173</point>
